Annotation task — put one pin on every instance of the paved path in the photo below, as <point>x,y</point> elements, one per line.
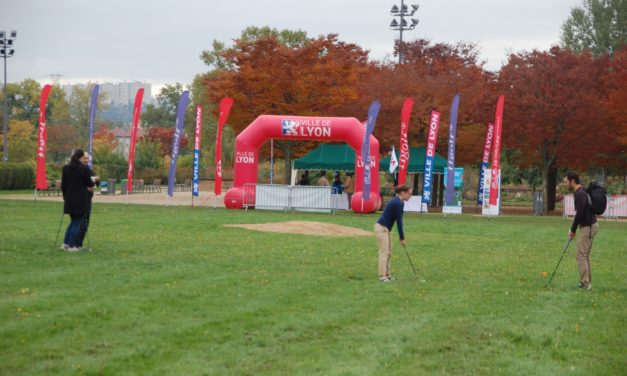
<point>206,199</point>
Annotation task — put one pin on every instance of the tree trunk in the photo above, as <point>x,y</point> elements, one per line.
<point>551,187</point>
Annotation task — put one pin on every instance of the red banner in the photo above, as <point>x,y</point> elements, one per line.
<point>131,151</point>
<point>488,144</point>
<point>403,149</point>
<point>496,151</point>
<point>40,175</point>
<point>225,109</point>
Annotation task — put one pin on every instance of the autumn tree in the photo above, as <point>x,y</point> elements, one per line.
<point>22,141</point>
<point>599,26</point>
<point>163,137</point>
<point>62,140</point>
<point>432,73</point>
<point>272,72</point>
<point>552,114</point>
<point>614,105</point>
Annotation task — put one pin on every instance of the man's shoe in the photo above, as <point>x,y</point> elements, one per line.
<point>385,279</point>
<point>584,286</point>
<point>391,278</point>
<point>73,249</point>
<point>64,247</point>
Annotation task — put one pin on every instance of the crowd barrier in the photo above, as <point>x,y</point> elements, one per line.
<point>616,206</point>
<point>293,198</point>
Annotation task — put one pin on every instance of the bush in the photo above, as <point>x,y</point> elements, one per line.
<point>17,175</point>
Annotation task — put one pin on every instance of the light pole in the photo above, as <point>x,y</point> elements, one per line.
<point>6,50</point>
<point>402,25</point>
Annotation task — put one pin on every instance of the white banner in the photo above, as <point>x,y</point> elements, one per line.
<point>486,208</point>
<point>616,206</point>
<point>413,205</point>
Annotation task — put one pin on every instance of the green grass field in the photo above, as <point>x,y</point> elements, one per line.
<point>170,291</point>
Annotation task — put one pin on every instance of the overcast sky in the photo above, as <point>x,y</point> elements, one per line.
<point>160,41</point>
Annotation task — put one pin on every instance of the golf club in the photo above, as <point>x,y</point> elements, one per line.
<point>558,263</point>
<point>87,233</point>
<point>410,263</point>
<point>58,231</point>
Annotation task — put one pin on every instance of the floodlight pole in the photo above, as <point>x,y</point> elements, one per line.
<point>401,26</point>
<point>6,51</point>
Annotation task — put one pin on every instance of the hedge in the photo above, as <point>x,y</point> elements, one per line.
<point>17,175</point>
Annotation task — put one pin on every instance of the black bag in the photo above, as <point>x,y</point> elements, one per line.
<point>597,198</point>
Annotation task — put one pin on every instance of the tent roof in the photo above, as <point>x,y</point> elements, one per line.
<point>328,157</point>
<point>416,161</point>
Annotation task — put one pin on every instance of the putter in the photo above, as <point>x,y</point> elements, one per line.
<point>58,231</point>
<point>558,263</point>
<point>410,263</point>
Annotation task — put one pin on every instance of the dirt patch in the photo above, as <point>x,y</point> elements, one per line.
<point>306,228</point>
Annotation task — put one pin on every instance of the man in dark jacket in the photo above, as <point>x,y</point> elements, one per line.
<point>75,182</point>
<point>588,228</point>
<point>85,222</point>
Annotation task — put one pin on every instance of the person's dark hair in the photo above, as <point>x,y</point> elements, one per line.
<point>323,173</point>
<point>350,173</point>
<point>76,157</point>
<point>402,188</point>
<point>572,175</point>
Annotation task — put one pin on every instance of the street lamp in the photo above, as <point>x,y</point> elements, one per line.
<point>402,25</point>
<point>6,50</point>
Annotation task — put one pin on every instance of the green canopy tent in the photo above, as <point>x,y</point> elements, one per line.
<point>416,161</point>
<point>339,157</point>
<point>417,167</point>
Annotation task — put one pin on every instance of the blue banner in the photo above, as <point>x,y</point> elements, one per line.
<point>92,119</point>
<point>373,112</point>
<point>178,131</point>
<point>196,171</point>
<point>434,124</point>
<point>449,197</point>
<point>485,161</point>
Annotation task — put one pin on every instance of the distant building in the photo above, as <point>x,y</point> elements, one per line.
<point>118,93</point>
<point>123,136</point>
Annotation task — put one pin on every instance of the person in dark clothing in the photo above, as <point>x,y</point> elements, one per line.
<point>392,213</point>
<point>75,184</point>
<point>337,184</point>
<point>85,222</point>
<point>304,179</point>
<point>586,221</point>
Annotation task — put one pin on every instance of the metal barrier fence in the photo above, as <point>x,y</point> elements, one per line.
<point>616,206</point>
<point>296,198</point>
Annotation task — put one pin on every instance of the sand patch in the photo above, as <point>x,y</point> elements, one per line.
<point>306,228</point>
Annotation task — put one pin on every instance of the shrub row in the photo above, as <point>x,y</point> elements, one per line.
<point>17,175</point>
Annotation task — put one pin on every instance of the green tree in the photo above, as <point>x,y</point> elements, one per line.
<point>164,113</point>
<point>148,154</point>
<point>80,107</point>
<point>23,100</point>
<point>58,112</point>
<point>600,26</point>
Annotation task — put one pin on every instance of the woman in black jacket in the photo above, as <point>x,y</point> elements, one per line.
<point>76,183</point>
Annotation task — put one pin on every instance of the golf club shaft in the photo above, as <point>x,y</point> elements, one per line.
<point>58,231</point>
<point>410,262</point>
<point>558,263</point>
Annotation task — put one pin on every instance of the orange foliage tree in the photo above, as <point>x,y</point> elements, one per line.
<point>615,106</point>
<point>164,137</point>
<point>271,72</point>
<point>432,74</point>
<point>552,113</point>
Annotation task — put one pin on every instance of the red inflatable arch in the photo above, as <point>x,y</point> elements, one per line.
<point>286,127</point>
